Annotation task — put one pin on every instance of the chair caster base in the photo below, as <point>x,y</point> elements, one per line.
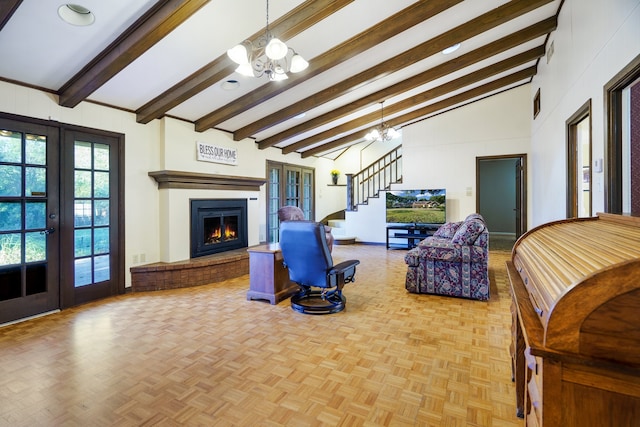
<point>313,302</point>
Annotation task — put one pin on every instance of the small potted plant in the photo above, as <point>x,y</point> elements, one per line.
<point>335,173</point>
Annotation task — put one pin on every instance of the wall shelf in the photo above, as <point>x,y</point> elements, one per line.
<point>178,179</point>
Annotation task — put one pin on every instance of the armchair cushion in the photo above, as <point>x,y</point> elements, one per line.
<point>447,230</point>
<point>468,232</point>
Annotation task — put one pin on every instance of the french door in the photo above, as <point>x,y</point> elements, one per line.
<point>29,220</point>
<point>288,185</point>
<point>61,234</point>
<point>91,205</point>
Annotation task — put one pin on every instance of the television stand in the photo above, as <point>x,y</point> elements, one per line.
<point>412,233</point>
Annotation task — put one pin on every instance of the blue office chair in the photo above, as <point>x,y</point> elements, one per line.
<point>306,255</point>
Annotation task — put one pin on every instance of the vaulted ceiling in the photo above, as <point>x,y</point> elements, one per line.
<point>161,58</point>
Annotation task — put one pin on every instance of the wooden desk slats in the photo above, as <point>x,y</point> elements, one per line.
<point>576,298</point>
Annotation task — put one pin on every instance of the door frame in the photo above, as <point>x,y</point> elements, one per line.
<point>613,131</point>
<point>67,297</point>
<point>70,295</point>
<point>30,305</point>
<point>520,184</point>
<point>584,112</point>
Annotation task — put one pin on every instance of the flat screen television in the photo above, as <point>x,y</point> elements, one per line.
<point>416,206</point>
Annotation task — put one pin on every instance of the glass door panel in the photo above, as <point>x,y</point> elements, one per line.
<point>92,248</point>
<point>28,243</point>
<point>288,185</point>
<point>91,213</point>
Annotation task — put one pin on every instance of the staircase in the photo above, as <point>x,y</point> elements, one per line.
<point>367,183</point>
<point>374,178</point>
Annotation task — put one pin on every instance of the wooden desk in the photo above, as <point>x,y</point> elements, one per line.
<point>268,278</point>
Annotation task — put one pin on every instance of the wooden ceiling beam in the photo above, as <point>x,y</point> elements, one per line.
<point>7,9</point>
<point>287,26</point>
<point>465,31</point>
<point>149,29</point>
<point>453,85</point>
<point>482,53</point>
<point>503,82</point>
<point>413,15</point>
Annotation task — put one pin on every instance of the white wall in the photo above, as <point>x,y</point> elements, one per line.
<point>169,144</point>
<point>441,152</point>
<point>594,41</point>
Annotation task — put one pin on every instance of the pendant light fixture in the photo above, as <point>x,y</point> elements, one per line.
<point>383,132</point>
<point>268,56</point>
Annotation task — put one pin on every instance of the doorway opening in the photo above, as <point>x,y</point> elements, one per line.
<point>501,198</point>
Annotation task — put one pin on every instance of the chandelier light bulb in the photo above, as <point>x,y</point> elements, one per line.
<point>276,49</point>
<point>298,63</point>
<point>245,70</point>
<point>239,54</point>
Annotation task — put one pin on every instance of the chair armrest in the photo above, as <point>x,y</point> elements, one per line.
<point>343,266</point>
<point>342,273</point>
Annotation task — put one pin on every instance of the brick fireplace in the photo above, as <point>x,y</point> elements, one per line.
<point>229,259</point>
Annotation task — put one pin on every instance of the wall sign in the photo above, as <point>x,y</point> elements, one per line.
<point>216,153</point>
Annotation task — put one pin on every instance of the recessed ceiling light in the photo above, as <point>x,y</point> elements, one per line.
<point>230,84</point>
<point>451,49</point>
<point>75,14</point>
<point>299,116</point>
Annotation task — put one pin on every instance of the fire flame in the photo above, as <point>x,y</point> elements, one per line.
<point>229,233</point>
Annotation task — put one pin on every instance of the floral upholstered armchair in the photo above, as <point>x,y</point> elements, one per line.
<point>452,262</point>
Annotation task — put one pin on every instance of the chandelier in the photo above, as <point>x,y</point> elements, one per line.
<point>383,132</point>
<point>268,56</point>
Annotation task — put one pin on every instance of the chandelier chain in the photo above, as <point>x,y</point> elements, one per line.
<point>267,26</point>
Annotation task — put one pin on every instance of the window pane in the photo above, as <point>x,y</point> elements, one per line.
<point>82,213</point>
<point>10,146</point>
<point>36,215</point>
<point>10,181</point>
<point>10,249</point>
<point>82,155</point>
<point>82,242</point>
<point>10,216</point>
<point>82,184</point>
<point>101,240</point>
<point>101,157</point>
<point>101,268</point>
<point>36,181</point>
<point>82,272</point>
<point>101,212</point>
<point>36,150</point>
<point>101,184</point>
<point>35,245</point>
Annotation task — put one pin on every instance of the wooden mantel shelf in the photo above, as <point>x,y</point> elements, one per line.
<point>205,181</point>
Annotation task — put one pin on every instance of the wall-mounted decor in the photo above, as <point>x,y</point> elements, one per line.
<point>536,104</point>
<point>206,152</point>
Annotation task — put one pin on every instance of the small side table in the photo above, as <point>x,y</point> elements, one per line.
<point>268,278</point>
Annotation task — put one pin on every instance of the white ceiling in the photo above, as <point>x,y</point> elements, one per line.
<point>40,49</point>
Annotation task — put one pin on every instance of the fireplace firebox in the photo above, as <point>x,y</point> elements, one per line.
<point>218,225</point>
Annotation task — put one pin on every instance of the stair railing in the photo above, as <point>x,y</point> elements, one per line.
<point>378,176</point>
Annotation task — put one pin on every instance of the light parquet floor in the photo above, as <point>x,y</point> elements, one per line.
<point>205,356</point>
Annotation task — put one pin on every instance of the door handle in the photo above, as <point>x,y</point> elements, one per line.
<point>48,231</point>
